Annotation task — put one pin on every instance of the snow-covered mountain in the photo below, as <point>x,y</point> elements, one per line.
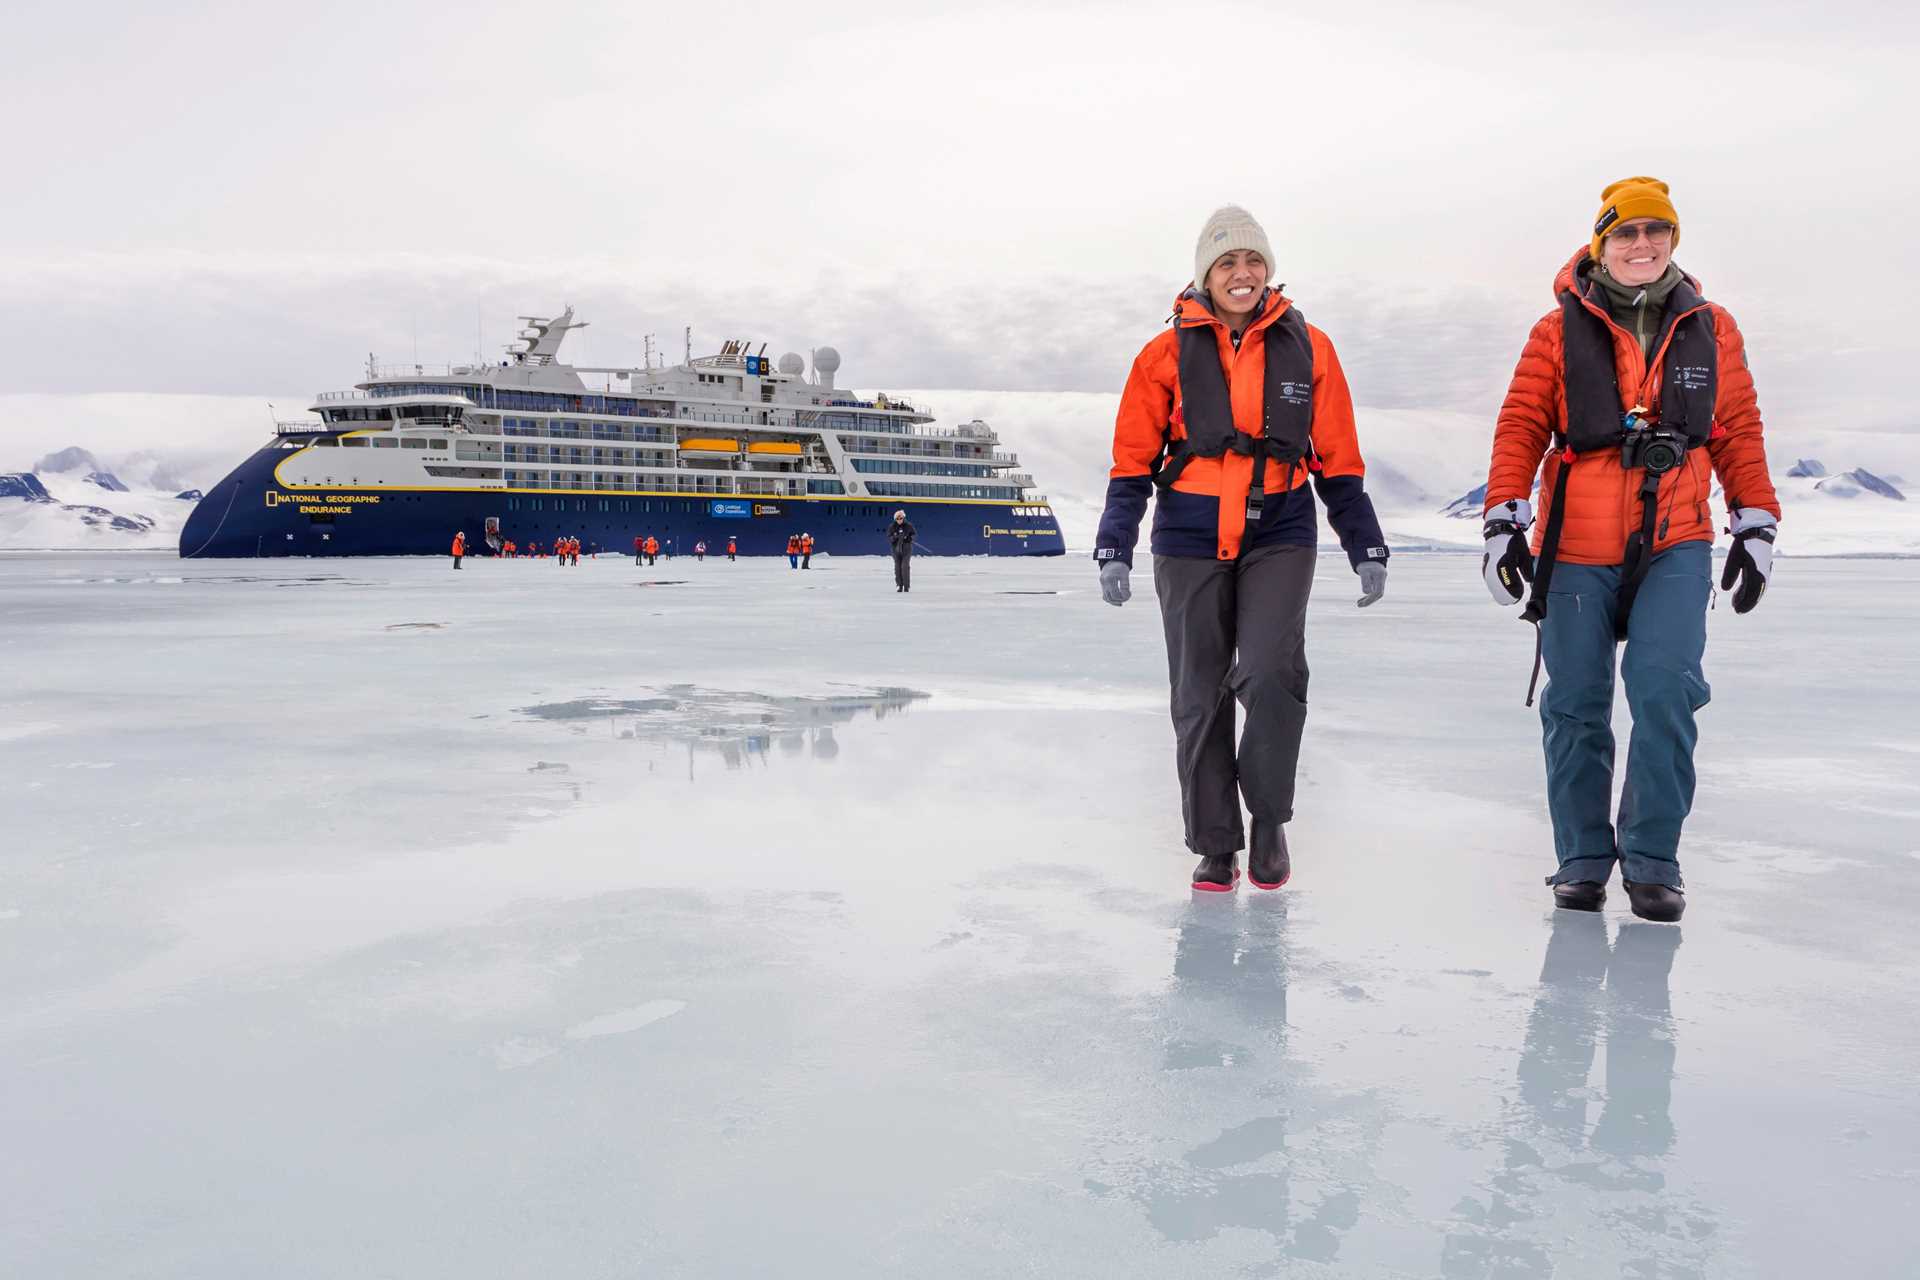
<point>70,500</point>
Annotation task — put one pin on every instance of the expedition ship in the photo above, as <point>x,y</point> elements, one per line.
<point>734,445</point>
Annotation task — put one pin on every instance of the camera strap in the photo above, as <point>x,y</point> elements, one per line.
<point>1639,553</point>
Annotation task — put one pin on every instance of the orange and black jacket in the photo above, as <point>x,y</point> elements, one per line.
<point>1203,514</point>
<point>1603,497</point>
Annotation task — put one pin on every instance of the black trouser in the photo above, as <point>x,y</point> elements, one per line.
<point>456,562</point>
<point>1236,627</point>
<point>903,569</point>
<point>806,559</point>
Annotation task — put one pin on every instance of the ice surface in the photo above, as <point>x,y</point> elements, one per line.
<point>367,918</point>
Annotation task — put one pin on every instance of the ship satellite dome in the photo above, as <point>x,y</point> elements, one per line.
<point>792,363</point>
<point>826,360</point>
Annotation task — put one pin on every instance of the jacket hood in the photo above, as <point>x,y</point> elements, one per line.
<point>1192,308</point>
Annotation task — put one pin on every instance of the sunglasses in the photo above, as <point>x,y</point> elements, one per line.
<point>1657,233</point>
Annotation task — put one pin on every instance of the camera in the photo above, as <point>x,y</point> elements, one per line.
<point>1655,448</point>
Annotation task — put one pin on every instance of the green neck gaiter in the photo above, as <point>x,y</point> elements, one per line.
<point>1639,309</point>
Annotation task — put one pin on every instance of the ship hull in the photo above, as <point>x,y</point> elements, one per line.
<point>250,514</point>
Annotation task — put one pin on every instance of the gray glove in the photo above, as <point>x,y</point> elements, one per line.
<point>1114,588</point>
<point>1373,582</point>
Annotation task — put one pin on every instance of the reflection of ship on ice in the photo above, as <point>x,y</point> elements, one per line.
<point>735,445</point>
<point>743,729</point>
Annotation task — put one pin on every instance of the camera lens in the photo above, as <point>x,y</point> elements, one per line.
<point>1660,456</point>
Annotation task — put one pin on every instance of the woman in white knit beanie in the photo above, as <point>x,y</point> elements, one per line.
<point>1224,418</point>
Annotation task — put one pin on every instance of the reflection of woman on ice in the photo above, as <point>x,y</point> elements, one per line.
<point>1240,379</point>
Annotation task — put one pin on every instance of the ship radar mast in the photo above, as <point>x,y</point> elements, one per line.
<point>543,337</point>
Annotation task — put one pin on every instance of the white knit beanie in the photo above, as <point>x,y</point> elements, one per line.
<point>1228,228</point>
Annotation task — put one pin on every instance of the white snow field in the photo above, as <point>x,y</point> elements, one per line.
<point>365,918</point>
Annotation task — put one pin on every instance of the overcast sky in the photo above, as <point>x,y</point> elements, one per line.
<point>246,198</point>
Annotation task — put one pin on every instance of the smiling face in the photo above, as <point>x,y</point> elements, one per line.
<point>1234,283</point>
<point>1637,252</point>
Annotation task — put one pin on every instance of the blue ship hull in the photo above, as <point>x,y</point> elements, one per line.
<point>250,514</point>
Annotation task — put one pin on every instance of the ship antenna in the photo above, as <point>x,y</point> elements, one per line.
<point>689,346</point>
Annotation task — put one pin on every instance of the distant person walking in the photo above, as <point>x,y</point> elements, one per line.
<point>793,551</point>
<point>653,549</point>
<point>1225,417</point>
<point>900,542</point>
<point>806,551</point>
<point>700,551</point>
<point>459,547</point>
<point>639,550</point>
<point>1635,391</point>
<point>733,549</point>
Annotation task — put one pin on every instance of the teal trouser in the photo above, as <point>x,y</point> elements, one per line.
<point>1666,639</point>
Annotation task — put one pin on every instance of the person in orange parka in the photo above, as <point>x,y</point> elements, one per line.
<point>1240,379</point>
<point>1635,389</point>
<point>459,547</point>
<point>806,551</point>
<point>653,549</point>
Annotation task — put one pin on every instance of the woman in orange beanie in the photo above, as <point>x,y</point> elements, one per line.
<point>1635,391</point>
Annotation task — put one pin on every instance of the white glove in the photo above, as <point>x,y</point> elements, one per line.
<point>1114,588</point>
<point>1507,564</point>
<point>1751,560</point>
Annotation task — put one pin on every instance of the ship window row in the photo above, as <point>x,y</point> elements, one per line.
<point>887,489</point>
<point>574,453</point>
<point>887,466</point>
<point>572,430</point>
<point>385,442</point>
<point>854,422</point>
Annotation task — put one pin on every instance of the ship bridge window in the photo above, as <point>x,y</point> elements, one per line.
<point>385,442</point>
<point>437,444</point>
<point>413,442</point>
<point>354,442</point>
<point>327,442</point>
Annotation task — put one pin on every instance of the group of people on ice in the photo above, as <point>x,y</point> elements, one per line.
<point>800,551</point>
<point>564,550</point>
<point>1633,391</point>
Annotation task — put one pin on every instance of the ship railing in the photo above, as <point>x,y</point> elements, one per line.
<point>429,370</point>
<point>312,426</point>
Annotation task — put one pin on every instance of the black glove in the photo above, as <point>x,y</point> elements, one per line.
<point>1750,562</point>
<point>1507,564</point>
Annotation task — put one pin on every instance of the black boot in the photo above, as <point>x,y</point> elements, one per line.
<point>1579,895</point>
<point>1268,865</point>
<point>1217,874</point>
<point>1662,902</point>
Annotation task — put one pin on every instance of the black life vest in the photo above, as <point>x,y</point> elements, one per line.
<point>1207,408</point>
<point>1688,382</point>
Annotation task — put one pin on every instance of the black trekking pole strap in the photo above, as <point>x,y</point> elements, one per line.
<point>1639,554</point>
<point>1536,610</point>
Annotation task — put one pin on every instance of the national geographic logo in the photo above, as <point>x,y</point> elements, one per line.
<point>314,504</point>
<point>332,499</point>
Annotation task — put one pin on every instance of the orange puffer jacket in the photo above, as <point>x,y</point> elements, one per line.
<point>1603,503</point>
